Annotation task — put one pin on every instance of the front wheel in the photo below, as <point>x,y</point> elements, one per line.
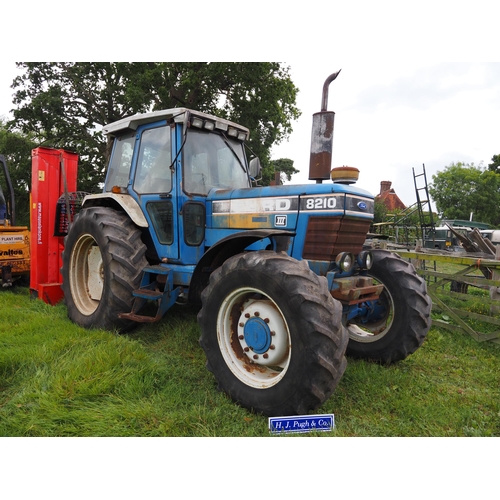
<point>272,333</point>
<point>398,322</point>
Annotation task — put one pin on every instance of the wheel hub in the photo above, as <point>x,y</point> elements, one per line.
<point>257,335</point>
<point>262,333</point>
<point>95,273</point>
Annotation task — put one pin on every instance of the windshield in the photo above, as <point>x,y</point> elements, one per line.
<point>212,161</point>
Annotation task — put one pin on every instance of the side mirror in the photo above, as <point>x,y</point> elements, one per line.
<point>254,168</point>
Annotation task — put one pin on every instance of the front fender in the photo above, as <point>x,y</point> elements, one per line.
<point>234,244</point>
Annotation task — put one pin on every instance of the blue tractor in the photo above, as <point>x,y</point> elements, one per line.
<point>285,284</point>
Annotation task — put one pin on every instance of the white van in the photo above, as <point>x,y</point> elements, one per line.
<point>491,234</point>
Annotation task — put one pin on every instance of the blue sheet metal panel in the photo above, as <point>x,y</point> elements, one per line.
<point>213,235</point>
<point>289,190</point>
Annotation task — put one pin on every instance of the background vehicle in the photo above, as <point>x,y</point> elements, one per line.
<point>284,283</point>
<point>491,234</point>
<point>14,240</point>
<point>442,238</point>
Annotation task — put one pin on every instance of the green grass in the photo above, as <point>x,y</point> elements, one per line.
<point>57,379</point>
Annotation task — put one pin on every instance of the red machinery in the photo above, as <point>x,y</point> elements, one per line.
<point>54,174</point>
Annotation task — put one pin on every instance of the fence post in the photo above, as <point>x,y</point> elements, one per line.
<point>495,291</point>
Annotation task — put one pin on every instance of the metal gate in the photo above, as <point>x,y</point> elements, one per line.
<point>466,289</point>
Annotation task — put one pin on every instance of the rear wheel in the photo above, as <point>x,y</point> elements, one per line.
<point>272,333</point>
<point>399,321</point>
<point>103,260</point>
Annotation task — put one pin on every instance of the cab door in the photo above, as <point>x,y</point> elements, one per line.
<point>154,186</point>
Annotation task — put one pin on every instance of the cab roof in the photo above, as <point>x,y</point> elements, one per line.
<point>179,115</point>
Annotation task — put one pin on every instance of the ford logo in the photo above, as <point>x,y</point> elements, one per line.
<point>362,205</point>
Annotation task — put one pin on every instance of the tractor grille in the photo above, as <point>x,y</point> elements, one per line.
<point>326,237</point>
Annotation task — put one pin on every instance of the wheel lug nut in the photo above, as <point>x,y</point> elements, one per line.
<point>256,313</point>
<point>266,320</point>
<point>247,315</point>
<point>266,355</point>
<point>255,356</point>
<point>241,337</point>
<point>246,349</point>
<point>272,347</point>
<point>273,333</point>
<point>242,324</point>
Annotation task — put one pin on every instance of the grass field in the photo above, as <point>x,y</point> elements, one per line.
<point>57,379</point>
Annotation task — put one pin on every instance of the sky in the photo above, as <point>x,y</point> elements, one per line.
<point>391,118</point>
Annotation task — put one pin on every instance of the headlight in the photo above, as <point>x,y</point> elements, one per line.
<point>365,259</point>
<point>345,261</point>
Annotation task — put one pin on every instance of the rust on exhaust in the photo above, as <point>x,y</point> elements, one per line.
<point>322,138</point>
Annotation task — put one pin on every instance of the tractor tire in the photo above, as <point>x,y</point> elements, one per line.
<point>402,315</point>
<point>272,333</point>
<point>103,260</point>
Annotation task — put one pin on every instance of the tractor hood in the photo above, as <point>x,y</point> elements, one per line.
<point>278,207</point>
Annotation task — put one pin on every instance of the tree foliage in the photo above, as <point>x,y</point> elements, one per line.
<point>495,164</point>
<point>281,170</point>
<point>461,189</point>
<point>379,212</point>
<point>17,148</point>
<point>65,105</point>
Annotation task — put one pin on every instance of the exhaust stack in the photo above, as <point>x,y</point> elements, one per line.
<point>322,138</point>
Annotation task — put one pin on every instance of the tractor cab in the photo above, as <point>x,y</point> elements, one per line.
<point>168,161</point>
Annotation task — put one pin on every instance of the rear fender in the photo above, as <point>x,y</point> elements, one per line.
<point>124,202</point>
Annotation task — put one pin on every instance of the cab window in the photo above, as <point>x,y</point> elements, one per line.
<point>121,160</point>
<point>153,174</point>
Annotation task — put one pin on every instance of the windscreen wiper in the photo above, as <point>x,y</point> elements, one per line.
<point>224,138</point>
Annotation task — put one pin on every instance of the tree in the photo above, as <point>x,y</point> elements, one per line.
<point>283,167</point>
<point>17,148</point>
<point>495,164</point>
<point>65,105</point>
<point>461,189</point>
<point>379,212</point>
